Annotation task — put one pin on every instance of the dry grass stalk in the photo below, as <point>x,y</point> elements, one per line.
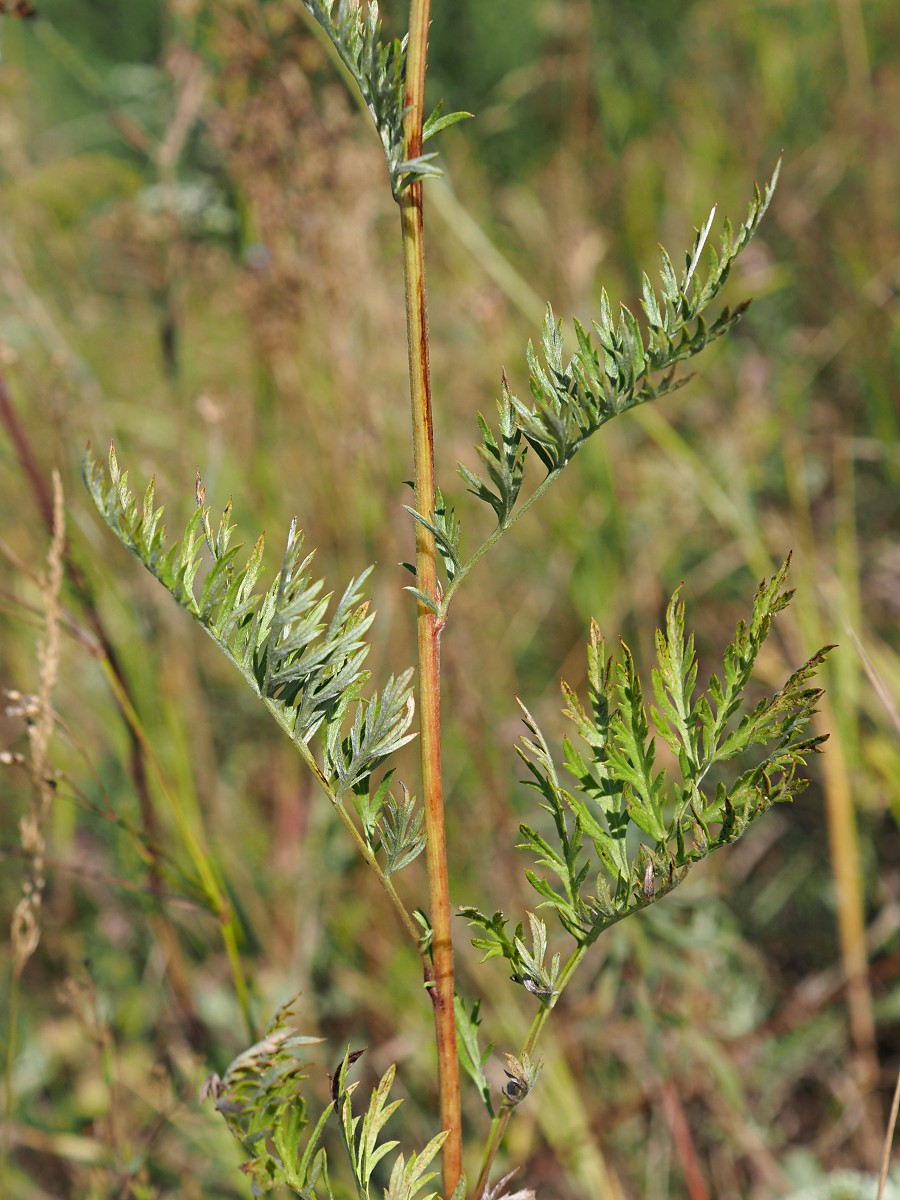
<point>26,919</point>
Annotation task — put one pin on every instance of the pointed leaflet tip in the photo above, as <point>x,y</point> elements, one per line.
<point>701,242</point>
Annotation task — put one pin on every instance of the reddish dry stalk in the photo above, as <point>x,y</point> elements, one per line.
<point>685,1149</point>
<point>428,625</point>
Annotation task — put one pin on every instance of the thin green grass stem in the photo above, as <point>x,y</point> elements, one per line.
<point>218,901</point>
<point>12,1029</point>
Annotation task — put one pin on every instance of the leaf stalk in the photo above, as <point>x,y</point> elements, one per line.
<point>495,537</point>
<point>500,1122</point>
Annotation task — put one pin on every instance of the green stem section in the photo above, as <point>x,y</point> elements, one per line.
<point>428,625</point>
<point>500,1122</point>
<point>306,754</point>
<point>493,538</point>
<point>205,870</point>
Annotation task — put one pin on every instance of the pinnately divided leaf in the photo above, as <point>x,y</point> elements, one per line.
<point>503,458</point>
<point>379,71</point>
<point>307,666</point>
<point>259,1098</point>
<point>495,941</point>
<point>364,1149</point>
<point>402,832</point>
<point>443,525</point>
<point>648,826</point>
<point>394,826</point>
<point>616,366</point>
<point>537,978</point>
<point>471,1056</point>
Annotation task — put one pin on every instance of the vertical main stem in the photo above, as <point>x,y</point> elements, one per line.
<point>428,625</point>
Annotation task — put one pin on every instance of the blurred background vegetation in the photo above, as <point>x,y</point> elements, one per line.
<point>199,257</point>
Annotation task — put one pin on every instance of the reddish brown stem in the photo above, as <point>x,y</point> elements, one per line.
<point>428,625</point>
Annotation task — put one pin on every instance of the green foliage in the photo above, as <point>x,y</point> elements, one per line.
<point>443,525</point>
<point>360,1137</point>
<point>687,97</point>
<point>646,829</point>
<point>402,832</point>
<point>505,460</point>
<point>497,941</point>
<point>396,827</point>
<point>535,977</point>
<point>378,729</point>
<point>471,1056</point>
<point>528,965</point>
<point>847,1185</point>
<point>571,401</point>
<point>260,1100</point>
<point>308,670</point>
<point>379,71</point>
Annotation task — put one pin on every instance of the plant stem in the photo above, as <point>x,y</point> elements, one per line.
<point>428,625</point>
<point>306,754</point>
<point>495,537</point>
<point>277,713</point>
<point>500,1122</point>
